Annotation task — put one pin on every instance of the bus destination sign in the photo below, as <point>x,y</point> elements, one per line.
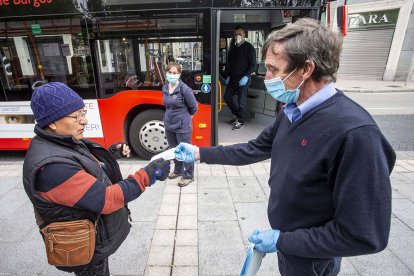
<point>34,3</point>
<point>40,7</point>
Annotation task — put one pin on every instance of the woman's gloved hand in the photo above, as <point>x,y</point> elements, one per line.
<point>243,81</point>
<point>265,241</point>
<point>187,153</point>
<point>158,170</point>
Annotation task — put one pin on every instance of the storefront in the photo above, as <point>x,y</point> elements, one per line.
<point>373,45</point>
<point>367,45</point>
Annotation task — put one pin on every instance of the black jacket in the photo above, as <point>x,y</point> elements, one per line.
<point>241,61</point>
<point>112,229</point>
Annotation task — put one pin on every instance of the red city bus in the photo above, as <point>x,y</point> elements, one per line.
<point>114,54</point>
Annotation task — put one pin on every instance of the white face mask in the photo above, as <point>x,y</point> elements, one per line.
<point>238,39</point>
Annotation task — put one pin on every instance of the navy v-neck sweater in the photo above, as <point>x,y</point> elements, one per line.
<point>329,179</point>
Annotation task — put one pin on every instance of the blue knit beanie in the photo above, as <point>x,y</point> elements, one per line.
<point>53,101</point>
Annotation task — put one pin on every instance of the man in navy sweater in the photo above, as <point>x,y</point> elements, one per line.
<point>330,164</point>
<point>241,63</point>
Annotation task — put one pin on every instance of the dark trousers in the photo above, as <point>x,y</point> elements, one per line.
<point>290,265</point>
<point>95,269</point>
<point>187,170</point>
<point>231,90</point>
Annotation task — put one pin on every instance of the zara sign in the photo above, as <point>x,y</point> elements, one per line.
<point>373,19</point>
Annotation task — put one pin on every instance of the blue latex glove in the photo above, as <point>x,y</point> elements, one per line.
<point>227,80</point>
<point>265,241</point>
<point>243,81</point>
<point>185,152</point>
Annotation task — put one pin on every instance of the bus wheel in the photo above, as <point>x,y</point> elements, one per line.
<point>147,134</point>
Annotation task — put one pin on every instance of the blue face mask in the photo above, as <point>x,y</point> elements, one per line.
<point>252,262</point>
<point>172,78</point>
<point>276,88</point>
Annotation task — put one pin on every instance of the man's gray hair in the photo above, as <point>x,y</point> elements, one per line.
<point>307,40</point>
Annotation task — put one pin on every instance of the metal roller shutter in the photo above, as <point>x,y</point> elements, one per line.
<point>365,54</point>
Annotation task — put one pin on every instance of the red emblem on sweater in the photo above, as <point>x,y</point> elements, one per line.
<point>304,142</point>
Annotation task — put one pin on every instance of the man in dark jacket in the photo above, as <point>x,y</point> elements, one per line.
<point>69,178</point>
<point>330,164</point>
<point>241,63</point>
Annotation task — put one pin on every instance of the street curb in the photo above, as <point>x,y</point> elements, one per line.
<point>359,90</point>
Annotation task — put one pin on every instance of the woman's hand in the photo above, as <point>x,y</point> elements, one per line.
<point>120,150</point>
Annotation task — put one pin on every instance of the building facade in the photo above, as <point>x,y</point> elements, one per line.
<point>380,40</point>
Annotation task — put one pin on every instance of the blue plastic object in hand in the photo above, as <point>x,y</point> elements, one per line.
<point>265,241</point>
<point>243,81</point>
<point>227,81</point>
<point>157,170</point>
<point>185,152</point>
<point>252,262</point>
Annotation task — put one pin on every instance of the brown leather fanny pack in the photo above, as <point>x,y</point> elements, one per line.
<point>70,243</point>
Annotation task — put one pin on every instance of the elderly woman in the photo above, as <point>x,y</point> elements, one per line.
<point>180,105</point>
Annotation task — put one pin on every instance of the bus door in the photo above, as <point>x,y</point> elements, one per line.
<point>132,54</point>
<point>260,106</point>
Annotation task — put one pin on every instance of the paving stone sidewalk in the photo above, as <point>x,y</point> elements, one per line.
<point>200,229</point>
<point>374,86</point>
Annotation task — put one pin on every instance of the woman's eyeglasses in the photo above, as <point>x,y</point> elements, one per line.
<point>80,115</point>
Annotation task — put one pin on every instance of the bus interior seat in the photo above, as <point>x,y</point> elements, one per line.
<point>257,79</point>
<point>162,68</point>
<point>89,68</point>
<point>74,78</point>
<point>158,70</point>
<point>16,68</point>
<point>256,94</point>
<point>261,69</point>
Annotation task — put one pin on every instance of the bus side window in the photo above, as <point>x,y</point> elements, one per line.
<point>81,77</point>
<point>116,65</point>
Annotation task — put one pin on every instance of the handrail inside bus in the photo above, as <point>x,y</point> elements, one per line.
<point>220,101</point>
